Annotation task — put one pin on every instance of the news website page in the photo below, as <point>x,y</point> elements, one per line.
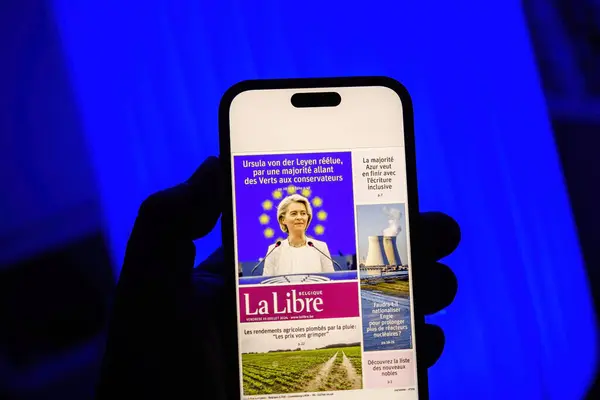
<point>324,290</point>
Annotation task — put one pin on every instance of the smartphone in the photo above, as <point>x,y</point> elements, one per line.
<point>321,192</point>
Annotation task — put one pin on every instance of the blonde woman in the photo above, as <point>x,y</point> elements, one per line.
<point>298,254</point>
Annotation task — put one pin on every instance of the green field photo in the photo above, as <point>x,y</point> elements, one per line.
<point>279,372</point>
<point>391,286</point>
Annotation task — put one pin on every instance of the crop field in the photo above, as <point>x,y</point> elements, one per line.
<point>398,288</point>
<point>353,353</point>
<point>301,371</point>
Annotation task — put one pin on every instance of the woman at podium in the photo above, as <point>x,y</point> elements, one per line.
<point>298,254</point>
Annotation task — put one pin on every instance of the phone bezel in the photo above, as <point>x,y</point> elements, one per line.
<point>227,217</point>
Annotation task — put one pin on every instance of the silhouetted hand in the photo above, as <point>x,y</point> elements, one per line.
<point>171,335</point>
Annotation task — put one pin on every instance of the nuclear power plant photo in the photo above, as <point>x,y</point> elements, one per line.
<point>382,243</point>
<point>383,269</point>
<point>382,257</point>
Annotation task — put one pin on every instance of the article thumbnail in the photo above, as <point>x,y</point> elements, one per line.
<point>385,300</point>
<point>379,175</point>
<point>295,218</point>
<point>302,356</point>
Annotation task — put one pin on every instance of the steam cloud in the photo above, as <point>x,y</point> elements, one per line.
<point>394,226</point>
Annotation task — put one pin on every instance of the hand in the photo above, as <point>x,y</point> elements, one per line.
<point>170,335</point>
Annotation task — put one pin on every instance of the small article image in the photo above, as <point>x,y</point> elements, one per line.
<point>294,218</point>
<point>303,357</point>
<point>384,278</point>
<point>382,248</point>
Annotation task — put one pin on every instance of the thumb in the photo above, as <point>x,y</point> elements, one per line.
<point>184,212</point>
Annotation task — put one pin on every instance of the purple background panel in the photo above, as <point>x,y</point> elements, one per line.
<point>333,200</point>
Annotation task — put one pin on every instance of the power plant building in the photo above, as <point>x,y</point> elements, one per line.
<point>382,255</point>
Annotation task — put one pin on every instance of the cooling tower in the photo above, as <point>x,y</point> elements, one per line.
<point>382,251</point>
<point>375,253</point>
<point>391,250</point>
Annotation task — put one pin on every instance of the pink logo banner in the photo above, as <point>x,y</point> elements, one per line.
<point>296,302</point>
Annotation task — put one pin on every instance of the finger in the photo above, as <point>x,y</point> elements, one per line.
<point>203,198</point>
<point>439,235</point>
<point>187,211</point>
<point>160,249</point>
<point>208,176</point>
<point>431,344</point>
<point>435,288</point>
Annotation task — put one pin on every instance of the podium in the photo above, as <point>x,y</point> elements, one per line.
<point>299,278</point>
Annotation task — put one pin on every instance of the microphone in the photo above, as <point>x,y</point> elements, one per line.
<point>268,254</point>
<point>311,244</point>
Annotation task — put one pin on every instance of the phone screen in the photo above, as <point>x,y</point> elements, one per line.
<point>321,241</point>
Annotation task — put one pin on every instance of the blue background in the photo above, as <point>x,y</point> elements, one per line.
<point>106,102</point>
<point>336,197</point>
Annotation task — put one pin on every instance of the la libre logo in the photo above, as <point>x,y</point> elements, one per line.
<point>288,304</point>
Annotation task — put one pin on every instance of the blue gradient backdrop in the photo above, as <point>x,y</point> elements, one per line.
<point>148,76</point>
